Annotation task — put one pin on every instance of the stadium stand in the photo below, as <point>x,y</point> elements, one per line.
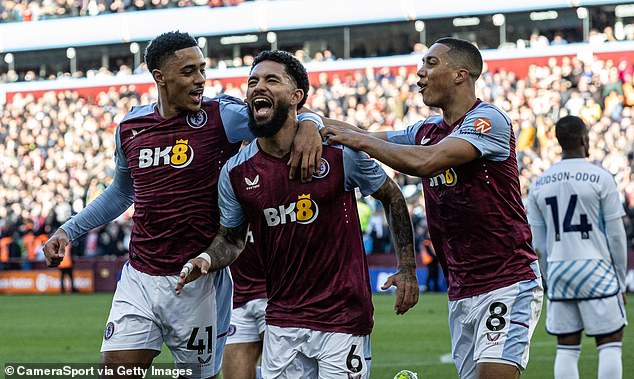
<point>57,136</point>
<point>30,11</point>
<point>230,36</point>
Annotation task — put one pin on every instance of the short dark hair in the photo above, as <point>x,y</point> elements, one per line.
<point>464,54</point>
<point>569,131</point>
<point>293,66</point>
<point>164,46</point>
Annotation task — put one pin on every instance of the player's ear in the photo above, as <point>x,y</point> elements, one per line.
<point>297,96</point>
<point>585,142</point>
<point>158,76</point>
<point>461,75</point>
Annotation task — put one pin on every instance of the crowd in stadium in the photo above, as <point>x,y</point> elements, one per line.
<point>29,10</point>
<point>57,149</point>
<point>123,68</point>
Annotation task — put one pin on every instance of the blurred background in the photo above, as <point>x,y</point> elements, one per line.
<point>71,69</point>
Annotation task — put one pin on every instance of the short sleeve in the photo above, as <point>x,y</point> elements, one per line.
<point>362,172</point>
<point>611,205</point>
<point>533,212</point>
<point>489,130</point>
<point>406,136</point>
<point>231,212</point>
<point>235,118</point>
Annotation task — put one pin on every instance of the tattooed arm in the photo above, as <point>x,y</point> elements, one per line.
<point>401,227</point>
<point>224,249</point>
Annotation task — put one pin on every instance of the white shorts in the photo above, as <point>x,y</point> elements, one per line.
<point>596,316</point>
<point>247,322</point>
<point>303,353</point>
<point>495,327</point>
<point>146,312</point>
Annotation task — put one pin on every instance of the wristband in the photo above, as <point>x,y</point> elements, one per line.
<point>206,257</point>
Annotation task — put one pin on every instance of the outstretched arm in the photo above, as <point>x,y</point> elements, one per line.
<point>401,226</point>
<point>224,249</point>
<point>115,200</point>
<point>416,160</point>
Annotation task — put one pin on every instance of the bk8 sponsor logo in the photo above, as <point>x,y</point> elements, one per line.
<point>180,155</point>
<point>303,211</point>
<point>448,178</point>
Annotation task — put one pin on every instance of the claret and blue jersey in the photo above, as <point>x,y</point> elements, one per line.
<point>475,213</point>
<point>308,235</point>
<point>174,165</point>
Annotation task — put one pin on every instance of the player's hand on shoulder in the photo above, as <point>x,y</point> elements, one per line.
<point>55,247</point>
<point>192,270</point>
<point>339,132</point>
<point>407,290</point>
<point>306,153</point>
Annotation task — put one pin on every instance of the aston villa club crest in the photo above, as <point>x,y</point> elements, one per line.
<point>109,331</point>
<point>197,120</point>
<point>322,170</point>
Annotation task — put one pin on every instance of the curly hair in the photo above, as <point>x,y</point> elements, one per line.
<point>294,68</point>
<point>164,46</point>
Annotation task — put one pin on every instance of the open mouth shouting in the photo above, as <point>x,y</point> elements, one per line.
<point>262,107</point>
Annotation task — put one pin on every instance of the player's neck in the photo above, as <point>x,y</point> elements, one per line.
<point>165,110</point>
<point>458,106</point>
<point>281,143</point>
<point>574,154</point>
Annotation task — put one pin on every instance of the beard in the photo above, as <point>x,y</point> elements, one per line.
<point>273,125</point>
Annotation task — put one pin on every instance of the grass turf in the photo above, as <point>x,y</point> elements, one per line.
<point>68,329</point>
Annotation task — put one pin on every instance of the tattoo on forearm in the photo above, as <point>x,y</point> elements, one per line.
<point>400,223</point>
<point>226,246</point>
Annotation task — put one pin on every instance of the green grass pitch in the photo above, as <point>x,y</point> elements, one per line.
<point>68,329</point>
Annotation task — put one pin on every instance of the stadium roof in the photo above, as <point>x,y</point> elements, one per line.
<point>250,17</point>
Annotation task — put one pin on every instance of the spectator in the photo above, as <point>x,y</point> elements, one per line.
<point>558,39</point>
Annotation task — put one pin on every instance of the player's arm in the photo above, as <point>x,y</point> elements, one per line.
<point>331,126</point>
<point>612,211</point>
<point>224,249</point>
<point>363,172</point>
<point>539,232</point>
<point>307,146</point>
<point>540,247</point>
<point>617,244</point>
<point>109,205</point>
<point>421,161</point>
<point>398,218</point>
<point>399,150</point>
<point>231,237</point>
